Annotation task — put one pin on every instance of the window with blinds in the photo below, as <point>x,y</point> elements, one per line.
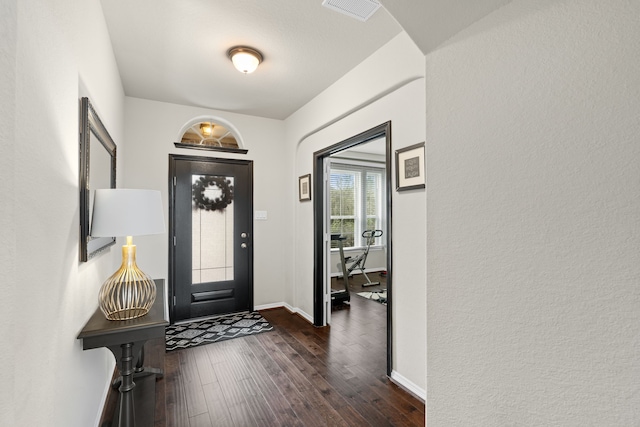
<point>356,197</point>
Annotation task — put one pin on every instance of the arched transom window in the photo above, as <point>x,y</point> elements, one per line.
<point>210,134</point>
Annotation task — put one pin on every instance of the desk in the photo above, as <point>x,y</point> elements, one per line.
<point>125,339</point>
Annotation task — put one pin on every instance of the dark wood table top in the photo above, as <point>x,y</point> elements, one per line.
<point>100,332</point>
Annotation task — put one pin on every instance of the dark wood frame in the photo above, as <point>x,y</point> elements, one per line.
<point>419,148</point>
<point>318,218</point>
<point>300,179</point>
<point>90,124</point>
<point>172,171</point>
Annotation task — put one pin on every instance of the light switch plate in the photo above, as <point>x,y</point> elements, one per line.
<point>261,215</point>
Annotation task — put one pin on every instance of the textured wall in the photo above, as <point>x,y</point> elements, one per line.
<point>52,53</point>
<point>533,136</point>
<point>8,33</point>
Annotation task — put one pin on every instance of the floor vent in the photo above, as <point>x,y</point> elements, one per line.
<point>358,9</point>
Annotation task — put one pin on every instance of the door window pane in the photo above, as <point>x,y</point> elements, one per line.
<point>212,228</point>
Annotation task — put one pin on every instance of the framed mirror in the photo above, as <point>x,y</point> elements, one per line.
<point>97,170</point>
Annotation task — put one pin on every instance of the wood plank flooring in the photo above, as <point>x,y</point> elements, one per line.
<point>295,375</point>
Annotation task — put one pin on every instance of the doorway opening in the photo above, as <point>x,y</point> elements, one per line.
<point>322,228</point>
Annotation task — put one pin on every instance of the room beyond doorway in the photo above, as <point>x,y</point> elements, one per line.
<point>322,300</point>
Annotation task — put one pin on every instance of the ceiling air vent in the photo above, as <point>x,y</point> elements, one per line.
<point>358,9</point>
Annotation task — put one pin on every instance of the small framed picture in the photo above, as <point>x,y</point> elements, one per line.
<point>410,167</point>
<point>304,187</point>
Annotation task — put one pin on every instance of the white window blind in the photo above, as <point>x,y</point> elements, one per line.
<point>357,200</point>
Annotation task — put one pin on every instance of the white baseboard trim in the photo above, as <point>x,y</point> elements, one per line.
<point>294,310</point>
<point>270,306</point>
<point>304,315</point>
<point>404,383</point>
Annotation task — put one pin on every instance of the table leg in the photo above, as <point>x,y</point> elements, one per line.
<point>140,370</point>
<point>126,417</point>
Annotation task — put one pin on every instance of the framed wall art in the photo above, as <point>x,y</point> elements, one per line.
<point>304,187</point>
<point>410,168</point>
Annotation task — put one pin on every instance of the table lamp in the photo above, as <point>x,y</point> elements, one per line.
<point>129,292</point>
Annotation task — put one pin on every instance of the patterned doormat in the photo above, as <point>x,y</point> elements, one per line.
<point>377,296</point>
<point>220,328</point>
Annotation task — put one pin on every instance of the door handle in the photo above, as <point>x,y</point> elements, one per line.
<point>243,245</point>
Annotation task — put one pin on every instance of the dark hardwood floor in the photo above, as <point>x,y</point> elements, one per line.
<point>295,375</point>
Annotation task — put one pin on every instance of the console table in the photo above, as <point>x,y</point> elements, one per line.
<point>125,339</point>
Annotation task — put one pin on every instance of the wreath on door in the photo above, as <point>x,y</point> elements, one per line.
<point>217,204</point>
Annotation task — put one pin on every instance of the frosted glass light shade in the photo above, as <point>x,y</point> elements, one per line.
<point>245,59</point>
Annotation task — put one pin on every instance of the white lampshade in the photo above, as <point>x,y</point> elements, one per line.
<point>245,59</point>
<point>127,212</point>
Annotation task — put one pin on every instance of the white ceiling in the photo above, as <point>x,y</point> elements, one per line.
<point>176,51</point>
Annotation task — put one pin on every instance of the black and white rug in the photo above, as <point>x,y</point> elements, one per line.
<point>377,296</point>
<point>220,328</point>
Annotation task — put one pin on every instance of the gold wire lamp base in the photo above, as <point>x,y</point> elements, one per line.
<point>129,293</point>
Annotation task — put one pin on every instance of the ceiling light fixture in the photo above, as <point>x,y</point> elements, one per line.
<point>245,59</point>
<point>206,129</point>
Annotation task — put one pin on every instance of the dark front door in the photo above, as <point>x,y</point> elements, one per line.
<point>211,235</point>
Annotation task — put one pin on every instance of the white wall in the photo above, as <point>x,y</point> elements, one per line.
<point>374,92</point>
<point>8,36</point>
<point>152,128</point>
<point>533,172</point>
<point>56,53</point>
